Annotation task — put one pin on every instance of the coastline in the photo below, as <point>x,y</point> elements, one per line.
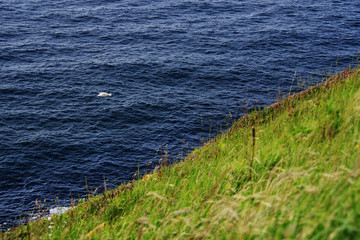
<point>304,150</point>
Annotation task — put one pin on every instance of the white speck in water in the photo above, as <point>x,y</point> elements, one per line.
<point>104,94</point>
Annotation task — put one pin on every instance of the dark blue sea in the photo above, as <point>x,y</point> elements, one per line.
<point>178,71</point>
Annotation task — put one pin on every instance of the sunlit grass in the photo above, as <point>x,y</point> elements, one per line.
<point>289,171</point>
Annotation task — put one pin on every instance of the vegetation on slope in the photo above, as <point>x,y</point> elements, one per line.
<point>289,171</point>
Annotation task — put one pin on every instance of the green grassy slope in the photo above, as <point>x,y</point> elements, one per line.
<point>289,171</point>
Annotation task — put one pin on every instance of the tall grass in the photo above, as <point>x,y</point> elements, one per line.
<point>289,171</point>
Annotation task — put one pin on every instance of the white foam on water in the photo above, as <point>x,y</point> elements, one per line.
<point>58,210</point>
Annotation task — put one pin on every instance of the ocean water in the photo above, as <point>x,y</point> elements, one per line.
<point>178,71</point>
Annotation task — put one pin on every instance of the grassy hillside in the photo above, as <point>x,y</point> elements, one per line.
<point>289,171</point>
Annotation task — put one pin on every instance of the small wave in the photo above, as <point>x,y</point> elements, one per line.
<point>58,210</point>
<point>86,19</point>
